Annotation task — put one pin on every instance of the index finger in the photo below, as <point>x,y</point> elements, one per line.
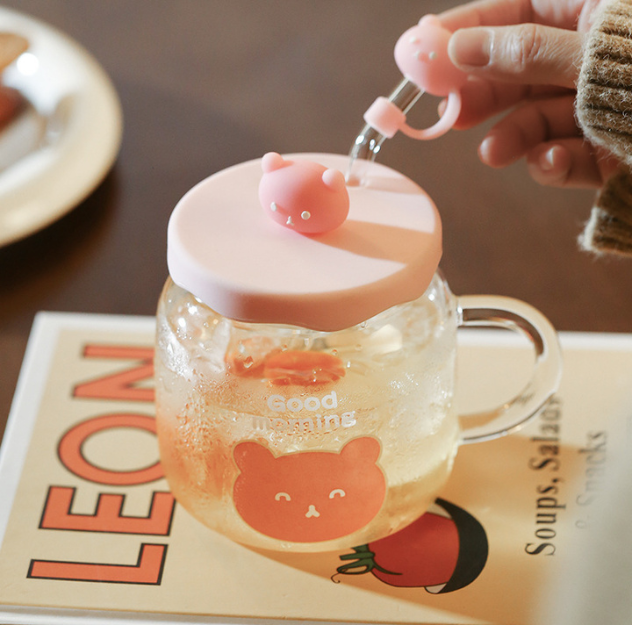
<point>511,12</point>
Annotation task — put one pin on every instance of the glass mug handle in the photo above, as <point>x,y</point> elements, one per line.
<point>512,314</point>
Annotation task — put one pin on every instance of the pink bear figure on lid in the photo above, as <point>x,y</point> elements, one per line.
<point>303,195</point>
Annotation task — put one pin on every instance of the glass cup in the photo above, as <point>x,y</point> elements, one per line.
<point>291,439</point>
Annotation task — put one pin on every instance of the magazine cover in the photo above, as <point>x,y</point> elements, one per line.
<point>90,532</point>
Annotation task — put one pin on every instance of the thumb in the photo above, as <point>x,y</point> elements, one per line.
<point>526,53</point>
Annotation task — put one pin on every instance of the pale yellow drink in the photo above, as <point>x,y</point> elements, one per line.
<point>371,424</point>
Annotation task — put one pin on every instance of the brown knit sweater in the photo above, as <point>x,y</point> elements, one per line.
<point>604,112</point>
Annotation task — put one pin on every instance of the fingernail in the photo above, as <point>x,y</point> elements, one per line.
<point>485,149</point>
<point>547,160</point>
<point>471,46</point>
<point>550,166</point>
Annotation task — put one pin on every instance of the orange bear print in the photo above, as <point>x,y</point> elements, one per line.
<point>309,496</point>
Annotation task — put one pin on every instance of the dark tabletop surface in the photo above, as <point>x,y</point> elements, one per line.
<point>205,84</point>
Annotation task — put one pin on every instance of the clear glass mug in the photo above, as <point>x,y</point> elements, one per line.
<point>285,438</point>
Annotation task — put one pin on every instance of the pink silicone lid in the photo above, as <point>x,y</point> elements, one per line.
<point>223,248</point>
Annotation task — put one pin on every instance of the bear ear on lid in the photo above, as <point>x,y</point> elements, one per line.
<point>334,179</point>
<point>272,161</point>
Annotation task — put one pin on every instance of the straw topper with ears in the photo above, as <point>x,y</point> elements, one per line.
<point>421,54</point>
<point>303,195</point>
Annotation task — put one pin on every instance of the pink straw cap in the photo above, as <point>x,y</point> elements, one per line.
<point>421,54</point>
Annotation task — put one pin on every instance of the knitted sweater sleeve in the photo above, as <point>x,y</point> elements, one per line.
<point>604,112</point>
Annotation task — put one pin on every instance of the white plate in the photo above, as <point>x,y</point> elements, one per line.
<point>79,113</point>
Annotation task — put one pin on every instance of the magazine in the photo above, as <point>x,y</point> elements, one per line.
<point>90,532</point>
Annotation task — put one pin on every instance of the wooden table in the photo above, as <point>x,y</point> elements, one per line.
<point>205,84</point>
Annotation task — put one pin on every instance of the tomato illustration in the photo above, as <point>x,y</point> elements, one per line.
<point>442,551</point>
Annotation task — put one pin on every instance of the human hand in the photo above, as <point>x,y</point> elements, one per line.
<point>525,57</point>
